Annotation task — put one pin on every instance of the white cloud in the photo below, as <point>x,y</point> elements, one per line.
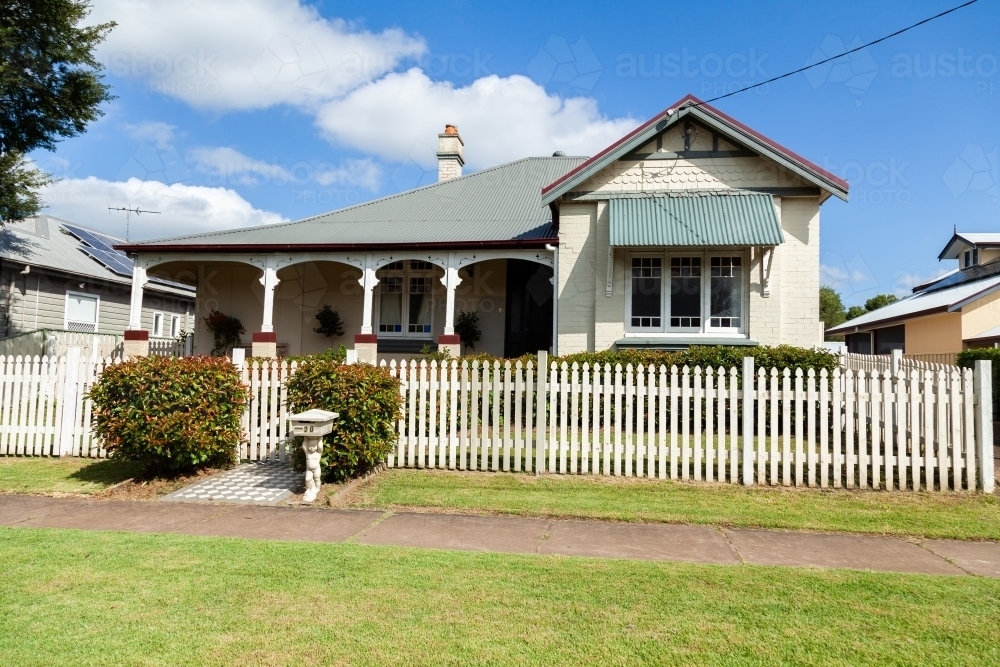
<point>225,55</point>
<point>906,281</point>
<point>154,132</point>
<point>831,275</point>
<point>500,119</point>
<point>228,166</point>
<point>184,209</point>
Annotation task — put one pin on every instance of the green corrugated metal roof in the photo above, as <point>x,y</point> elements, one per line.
<point>501,203</point>
<point>695,220</point>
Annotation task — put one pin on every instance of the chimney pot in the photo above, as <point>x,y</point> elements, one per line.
<point>450,156</point>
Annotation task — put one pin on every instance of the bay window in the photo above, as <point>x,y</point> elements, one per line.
<point>704,292</point>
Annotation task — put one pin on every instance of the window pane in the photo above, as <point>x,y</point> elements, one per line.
<point>390,318</point>
<point>420,306</point>
<point>81,308</point>
<point>726,297</point>
<point>157,324</point>
<point>647,291</point>
<point>685,292</point>
<point>175,326</point>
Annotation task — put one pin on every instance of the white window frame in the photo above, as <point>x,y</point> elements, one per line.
<point>706,293</point>
<point>175,325</point>
<point>970,258</point>
<point>86,295</point>
<point>157,330</point>
<point>744,293</point>
<point>405,273</point>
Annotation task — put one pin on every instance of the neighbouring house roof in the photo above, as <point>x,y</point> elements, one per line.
<point>692,107</point>
<point>985,335</point>
<point>709,219</point>
<point>948,299</point>
<point>51,243</point>
<point>500,205</point>
<point>961,239</point>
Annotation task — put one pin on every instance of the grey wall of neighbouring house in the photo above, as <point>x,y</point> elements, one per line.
<point>37,300</point>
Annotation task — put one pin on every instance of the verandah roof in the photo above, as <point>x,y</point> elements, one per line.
<point>695,220</point>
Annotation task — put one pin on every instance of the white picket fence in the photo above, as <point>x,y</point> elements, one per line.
<point>919,429</point>
<point>866,429</point>
<point>884,362</point>
<point>43,406</point>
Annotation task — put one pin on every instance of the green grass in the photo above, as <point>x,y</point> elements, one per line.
<point>946,515</point>
<point>61,475</point>
<point>75,598</point>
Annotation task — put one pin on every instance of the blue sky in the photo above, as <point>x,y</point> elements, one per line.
<point>237,113</point>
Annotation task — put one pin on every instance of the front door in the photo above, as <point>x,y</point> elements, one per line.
<point>528,324</point>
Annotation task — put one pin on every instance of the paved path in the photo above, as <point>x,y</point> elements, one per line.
<point>694,544</point>
<point>257,483</point>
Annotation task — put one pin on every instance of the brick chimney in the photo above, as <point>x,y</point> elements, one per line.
<point>450,159</point>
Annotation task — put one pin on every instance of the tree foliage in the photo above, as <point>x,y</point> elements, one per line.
<point>50,88</point>
<point>467,328</point>
<point>226,331</point>
<point>880,301</point>
<point>831,308</point>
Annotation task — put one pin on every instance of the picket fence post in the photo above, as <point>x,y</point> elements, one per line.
<point>541,393</point>
<point>70,398</point>
<point>748,444</point>
<point>983,381</point>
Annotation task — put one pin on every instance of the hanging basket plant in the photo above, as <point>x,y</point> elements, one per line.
<point>329,322</point>
<point>226,331</point>
<point>467,328</point>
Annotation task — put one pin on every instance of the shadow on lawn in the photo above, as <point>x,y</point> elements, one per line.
<point>108,472</point>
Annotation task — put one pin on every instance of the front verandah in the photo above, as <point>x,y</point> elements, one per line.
<point>390,304</point>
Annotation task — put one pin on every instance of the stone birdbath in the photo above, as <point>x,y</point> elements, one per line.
<point>311,426</point>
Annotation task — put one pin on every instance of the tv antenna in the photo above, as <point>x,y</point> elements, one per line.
<point>128,214</point>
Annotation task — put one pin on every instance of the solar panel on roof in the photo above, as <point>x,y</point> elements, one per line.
<point>111,259</point>
<point>93,239</point>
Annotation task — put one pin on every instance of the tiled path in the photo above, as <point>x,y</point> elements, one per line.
<point>258,483</point>
<point>696,544</point>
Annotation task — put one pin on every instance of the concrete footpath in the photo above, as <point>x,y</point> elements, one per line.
<point>595,539</point>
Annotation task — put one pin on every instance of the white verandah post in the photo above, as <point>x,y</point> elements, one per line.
<point>448,341</point>
<point>136,340</point>
<point>366,343</point>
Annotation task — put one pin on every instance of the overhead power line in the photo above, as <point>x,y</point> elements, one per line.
<point>840,55</point>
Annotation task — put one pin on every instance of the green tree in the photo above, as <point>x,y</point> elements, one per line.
<point>880,301</point>
<point>854,311</point>
<point>50,89</point>
<point>831,307</point>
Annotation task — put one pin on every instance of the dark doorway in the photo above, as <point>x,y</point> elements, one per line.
<point>889,339</point>
<point>528,324</point>
<point>859,343</point>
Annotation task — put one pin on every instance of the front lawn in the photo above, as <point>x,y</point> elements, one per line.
<point>71,598</point>
<point>62,475</point>
<point>945,515</point>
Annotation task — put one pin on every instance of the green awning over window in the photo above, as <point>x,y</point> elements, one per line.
<point>696,220</point>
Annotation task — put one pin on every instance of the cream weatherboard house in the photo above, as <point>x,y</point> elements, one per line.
<point>693,229</point>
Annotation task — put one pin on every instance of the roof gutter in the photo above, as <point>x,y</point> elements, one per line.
<point>511,244</point>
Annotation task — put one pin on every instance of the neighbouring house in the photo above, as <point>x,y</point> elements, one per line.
<point>957,310</point>
<point>60,276</point>
<point>693,229</point>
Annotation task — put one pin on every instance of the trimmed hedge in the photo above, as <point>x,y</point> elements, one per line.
<point>171,415</point>
<point>781,356</point>
<point>967,359</point>
<point>369,403</point>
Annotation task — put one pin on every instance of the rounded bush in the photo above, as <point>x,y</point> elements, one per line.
<point>368,401</point>
<point>171,415</point>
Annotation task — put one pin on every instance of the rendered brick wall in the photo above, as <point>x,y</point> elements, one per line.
<point>609,312</point>
<point>577,257</point>
<point>799,275</point>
